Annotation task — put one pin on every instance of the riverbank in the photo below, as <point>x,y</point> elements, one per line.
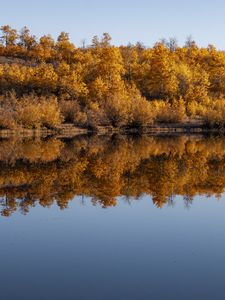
<point>69,130</point>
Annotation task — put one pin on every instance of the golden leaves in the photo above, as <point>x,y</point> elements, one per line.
<point>127,85</point>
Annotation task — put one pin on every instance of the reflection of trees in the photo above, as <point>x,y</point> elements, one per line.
<point>54,171</point>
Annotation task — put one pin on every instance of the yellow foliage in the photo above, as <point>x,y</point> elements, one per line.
<point>167,112</point>
<point>33,112</point>
<point>72,113</point>
<point>214,113</point>
<point>169,83</point>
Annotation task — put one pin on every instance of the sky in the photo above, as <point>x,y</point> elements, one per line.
<point>126,21</point>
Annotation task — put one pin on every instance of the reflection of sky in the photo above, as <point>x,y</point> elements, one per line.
<point>143,20</point>
<point>132,251</point>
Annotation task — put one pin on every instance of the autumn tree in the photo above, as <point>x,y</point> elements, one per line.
<point>27,40</point>
<point>65,49</point>
<point>159,79</point>
<point>9,35</point>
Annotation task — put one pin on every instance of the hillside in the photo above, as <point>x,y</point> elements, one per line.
<point>45,83</point>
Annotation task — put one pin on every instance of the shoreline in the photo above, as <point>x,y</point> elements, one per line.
<point>70,130</point>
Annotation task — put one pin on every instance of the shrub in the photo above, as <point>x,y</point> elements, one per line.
<point>29,114</point>
<point>34,112</point>
<point>71,112</point>
<point>8,113</point>
<point>50,113</point>
<point>95,116</point>
<point>117,110</point>
<point>170,112</point>
<point>141,113</point>
<point>7,119</point>
<point>214,113</point>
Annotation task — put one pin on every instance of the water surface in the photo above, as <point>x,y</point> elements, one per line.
<point>112,218</point>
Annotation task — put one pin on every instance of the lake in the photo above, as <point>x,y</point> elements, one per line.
<point>112,217</point>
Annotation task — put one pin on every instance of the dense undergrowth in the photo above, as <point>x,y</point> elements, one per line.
<point>46,82</point>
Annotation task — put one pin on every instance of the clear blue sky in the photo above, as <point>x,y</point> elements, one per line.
<point>126,20</point>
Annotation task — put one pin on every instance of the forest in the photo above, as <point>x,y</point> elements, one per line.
<point>108,170</point>
<point>46,82</point>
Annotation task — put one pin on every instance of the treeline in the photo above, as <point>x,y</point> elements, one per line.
<point>52,171</point>
<point>44,82</point>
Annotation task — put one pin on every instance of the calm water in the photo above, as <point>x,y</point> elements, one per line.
<point>112,218</point>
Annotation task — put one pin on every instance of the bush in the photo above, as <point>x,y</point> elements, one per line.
<point>8,113</point>
<point>72,113</point>
<point>34,112</point>
<point>141,113</point>
<point>50,113</point>
<point>95,116</point>
<point>167,112</point>
<point>214,113</point>
<point>128,107</point>
<point>7,119</point>
<point>117,110</point>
